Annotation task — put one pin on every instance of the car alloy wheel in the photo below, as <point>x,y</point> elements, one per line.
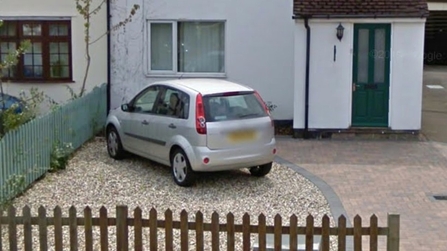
<point>114,146</point>
<point>112,143</point>
<point>181,169</point>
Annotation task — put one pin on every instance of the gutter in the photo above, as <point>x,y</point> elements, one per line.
<point>306,107</point>
<point>108,56</point>
<point>374,16</point>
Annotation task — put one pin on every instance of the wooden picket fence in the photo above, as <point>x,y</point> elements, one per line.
<point>122,224</point>
<point>25,153</point>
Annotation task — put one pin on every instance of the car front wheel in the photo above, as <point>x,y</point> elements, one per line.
<point>181,169</point>
<point>114,145</point>
<point>261,170</point>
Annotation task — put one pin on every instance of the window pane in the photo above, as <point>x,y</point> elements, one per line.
<point>59,66</point>
<point>379,57</point>
<point>64,59</point>
<point>32,62</point>
<point>38,71</point>
<point>8,29</point>
<point>54,58</point>
<point>58,30</point>
<point>28,59</point>
<point>363,56</point>
<point>54,47</point>
<point>6,47</point>
<point>37,48</point>
<point>201,46</point>
<point>32,30</point>
<point>146,101</point>
<point>63,47</point>
<point>234,107</point>
<point>37,59</point>
<point>4,29</point>
<point>59,60</point>
<point>56,69</point>
<point>161,46</point>
<point>54,30</point>
<point>5,72</point>
<point>65,72</point>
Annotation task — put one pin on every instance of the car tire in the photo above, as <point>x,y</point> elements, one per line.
<point>181,170</point>
<point>261,170</point>
<point>114,146</point>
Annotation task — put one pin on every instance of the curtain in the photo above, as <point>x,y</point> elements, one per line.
<point>161,46</point>
<point>201,46</point>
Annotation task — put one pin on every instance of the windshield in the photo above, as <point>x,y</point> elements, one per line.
<point>233,106</point>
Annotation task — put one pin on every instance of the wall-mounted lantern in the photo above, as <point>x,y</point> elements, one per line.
<point>340,30</point>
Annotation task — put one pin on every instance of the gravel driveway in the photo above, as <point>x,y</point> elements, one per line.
<point>93,179</point>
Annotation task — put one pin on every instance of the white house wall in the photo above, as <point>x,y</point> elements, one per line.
<point>42,9</point>
<point>330,93</point>
<point>406,76</point>
<point>259,49</point>
<point>437,6</point>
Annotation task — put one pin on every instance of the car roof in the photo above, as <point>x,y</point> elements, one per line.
<point>207,86</point>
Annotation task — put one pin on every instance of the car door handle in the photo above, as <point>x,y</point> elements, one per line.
<point>145,122</point>
<point>172,126</point>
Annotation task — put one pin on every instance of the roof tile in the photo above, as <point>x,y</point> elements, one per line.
<point>360,8</point>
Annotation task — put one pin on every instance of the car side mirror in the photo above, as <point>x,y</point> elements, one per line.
<point>125,108</point>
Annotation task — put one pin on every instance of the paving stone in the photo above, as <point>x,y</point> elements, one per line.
<point>381,177</point>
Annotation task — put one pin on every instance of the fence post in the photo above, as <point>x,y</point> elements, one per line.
<point>122,243</point>
<point>393,232</point>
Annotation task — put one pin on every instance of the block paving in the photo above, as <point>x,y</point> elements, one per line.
<point>381,177</point>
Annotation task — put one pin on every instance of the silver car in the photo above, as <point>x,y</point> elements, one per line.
<point>195,125</point>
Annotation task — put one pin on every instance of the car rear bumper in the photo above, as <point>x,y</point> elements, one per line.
<point>229,159</point>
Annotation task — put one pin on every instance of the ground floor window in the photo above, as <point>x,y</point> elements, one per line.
<point>186,46</point>
<point>49,57</point>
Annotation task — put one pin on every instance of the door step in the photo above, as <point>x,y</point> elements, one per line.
<point>364,134</point>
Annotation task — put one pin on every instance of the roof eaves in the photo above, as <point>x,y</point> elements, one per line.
<point>374,16</point>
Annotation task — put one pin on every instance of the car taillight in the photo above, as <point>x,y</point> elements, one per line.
<point>264,105</point>
<point>262,102</point>
<point>200,115</point>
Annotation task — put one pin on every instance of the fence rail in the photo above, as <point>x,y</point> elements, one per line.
<point>25,153</point>
<point>122,223</point>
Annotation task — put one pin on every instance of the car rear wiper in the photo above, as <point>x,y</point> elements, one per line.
<point>249,115</point>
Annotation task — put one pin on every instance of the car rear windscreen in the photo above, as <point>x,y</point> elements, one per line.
<point>232,106</point>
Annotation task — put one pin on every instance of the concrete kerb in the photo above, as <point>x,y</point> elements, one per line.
<point>335,204</point>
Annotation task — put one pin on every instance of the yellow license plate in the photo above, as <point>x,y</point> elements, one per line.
<point>240,136</point>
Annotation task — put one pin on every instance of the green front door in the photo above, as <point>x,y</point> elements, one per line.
<point>371,75</point>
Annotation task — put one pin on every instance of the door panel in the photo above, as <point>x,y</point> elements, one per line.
<point>170,120</point>
<point>138,127</point>
<point>370,98</point>
<point>139,133</point>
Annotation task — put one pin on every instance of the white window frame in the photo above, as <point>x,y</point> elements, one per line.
<point>175,72</point>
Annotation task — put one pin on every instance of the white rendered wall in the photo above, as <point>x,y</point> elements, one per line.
<point>437,6</point>
<point>330,99</point>
<point>259,40</point>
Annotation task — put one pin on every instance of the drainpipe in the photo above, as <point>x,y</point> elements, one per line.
<point>306,107</point>
<point>108,56</point>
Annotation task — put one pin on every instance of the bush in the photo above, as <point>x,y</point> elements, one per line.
<point>12,118</point>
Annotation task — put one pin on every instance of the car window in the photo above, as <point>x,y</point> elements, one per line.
<point>174,103</point>
<point>232,107</point>
<point>145,101</point>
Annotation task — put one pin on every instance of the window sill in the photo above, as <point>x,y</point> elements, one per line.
<point>186,75</point>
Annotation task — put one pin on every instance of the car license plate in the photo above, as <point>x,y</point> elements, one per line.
<point>241,136</point>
